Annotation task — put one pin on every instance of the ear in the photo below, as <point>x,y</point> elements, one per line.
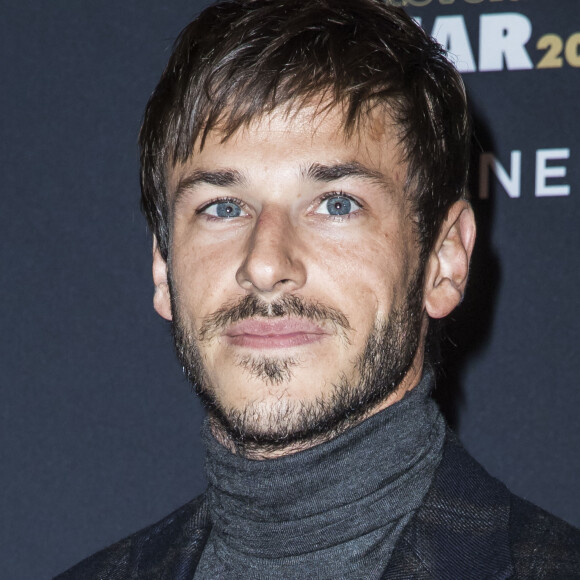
<point>448,263</point>
<point>161,298</point>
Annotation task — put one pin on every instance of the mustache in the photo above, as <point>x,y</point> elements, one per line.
<point>251,306</point>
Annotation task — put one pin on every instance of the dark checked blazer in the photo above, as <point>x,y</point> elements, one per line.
<point>468,527</point>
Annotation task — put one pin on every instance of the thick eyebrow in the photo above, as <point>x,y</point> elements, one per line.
<point>328,173</point>
<point>219,178</point>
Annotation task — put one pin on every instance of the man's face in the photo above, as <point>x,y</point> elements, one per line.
<point>294,274</point>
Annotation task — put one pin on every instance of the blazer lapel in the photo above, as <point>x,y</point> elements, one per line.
<point>462,528</point>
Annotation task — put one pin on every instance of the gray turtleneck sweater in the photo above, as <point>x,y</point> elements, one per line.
<point>332,511</point>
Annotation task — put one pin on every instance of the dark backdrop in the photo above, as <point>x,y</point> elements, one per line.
<point>99,431</point>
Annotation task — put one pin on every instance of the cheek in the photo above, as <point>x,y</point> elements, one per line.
<point>364,273</point>
<point>204,277</point>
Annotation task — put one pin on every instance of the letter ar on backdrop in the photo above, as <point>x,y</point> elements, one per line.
<point>502,41</point>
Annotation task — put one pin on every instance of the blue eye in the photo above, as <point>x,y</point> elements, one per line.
<point>223,209</point>
<point>338,205</point>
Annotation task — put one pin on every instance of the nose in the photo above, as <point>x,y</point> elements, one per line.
<point>273,262</point>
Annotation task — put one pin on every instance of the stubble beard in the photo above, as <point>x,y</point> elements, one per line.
<point>264,427</point>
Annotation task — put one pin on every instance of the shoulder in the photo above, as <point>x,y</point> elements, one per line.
<point>543,546</point>
<point>471,526</point>
<point>167,549</point>
<point>539,544</point>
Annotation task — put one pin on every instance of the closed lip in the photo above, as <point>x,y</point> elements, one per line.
<point>278,333</point>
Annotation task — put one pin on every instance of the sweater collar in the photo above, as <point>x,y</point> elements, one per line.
<point>287,505</point>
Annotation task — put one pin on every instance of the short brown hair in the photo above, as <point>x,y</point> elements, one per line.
<point>242,58</point>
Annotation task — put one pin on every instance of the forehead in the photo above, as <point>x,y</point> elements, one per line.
<point>287,140</point>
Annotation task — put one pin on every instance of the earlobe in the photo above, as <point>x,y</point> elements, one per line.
<point>448,264</point>
<point>161,298</point>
